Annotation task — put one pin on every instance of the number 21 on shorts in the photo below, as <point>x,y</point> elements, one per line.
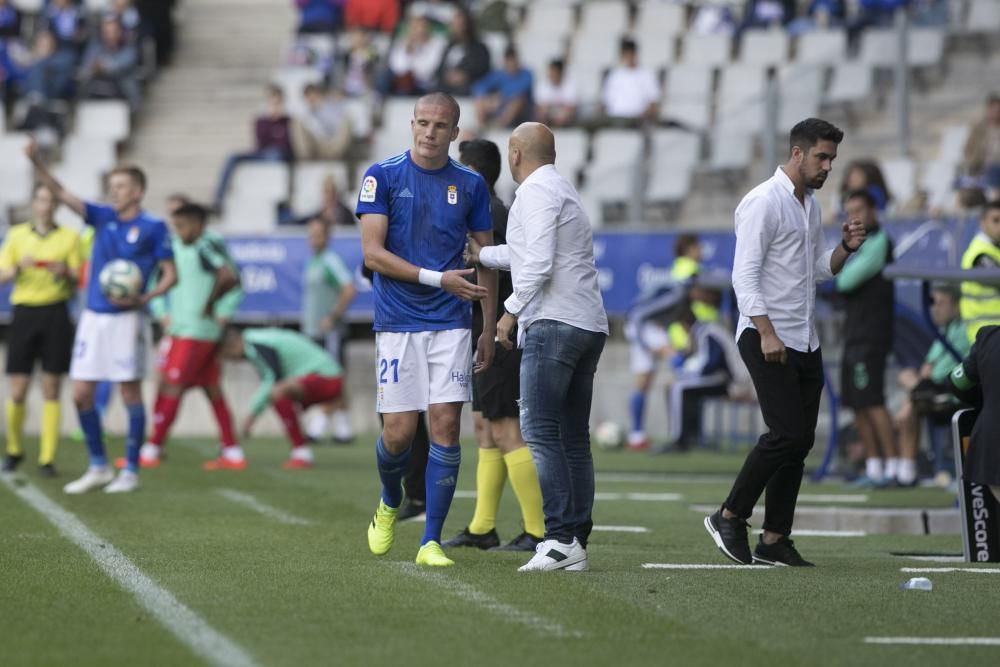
<point>385,365</point>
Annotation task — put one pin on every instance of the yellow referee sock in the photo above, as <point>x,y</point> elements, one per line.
<point>15,427</point>
<point>50,432</point>
<point>524,479</point>
<point>490,477</point>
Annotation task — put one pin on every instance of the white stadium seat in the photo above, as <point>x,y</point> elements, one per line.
<point>851,82</point>
<point>359,110</point>
<point>108,119</point>
<point>95,152</point>
<point>656,51</point>
<point>879,47</point>
<point>764,47</point>
<point>730,150</point>
<point>677,147</point>
<point>741,100</point>
<point>937,180</point>
<point>668,182</point>
<point>16,172</point>
<point>687,96</point>
<point>616,164</point>
<point>900,178</point>
<point>603,17</point>
<point>292,80</point>
<point>571,151</point>
<point>307,184</point>
<point>536,50</point>
<point>800,89</point>
<point>983,17</point>
<point>710,50</point>
<point>260,180</point>
<point>497,43</point>
<point>952,145</point>
<point>588,81</point>
<point>822,47</point>
<point>925,47</point>
<point>29,6</point>
<point>661,17</point>
<point>548,18</point>
<point>248,215</point>
<point>82,179</point>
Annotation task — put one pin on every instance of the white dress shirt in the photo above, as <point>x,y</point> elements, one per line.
<point>550,254</point>
<point>780,256</point>
<point>628,92</point>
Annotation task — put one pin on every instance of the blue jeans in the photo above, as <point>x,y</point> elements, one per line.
<point>557,385</point>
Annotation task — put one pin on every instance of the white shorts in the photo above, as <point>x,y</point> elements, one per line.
<point>109,346</point>
<point>421,368</point>
<point>645,345</point>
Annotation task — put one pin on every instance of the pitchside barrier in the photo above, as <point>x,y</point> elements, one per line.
<point>980,509</point>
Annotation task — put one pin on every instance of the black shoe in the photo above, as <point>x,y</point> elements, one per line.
<point>730,535</point>
<point>10,462</point>
<point>47,470</point>
<point>467,539</point>
<point>782,552</point>
<point>523,542</point>
<point>411,509</point>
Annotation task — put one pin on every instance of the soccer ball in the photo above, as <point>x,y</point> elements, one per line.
<point>120,278</point>
<point>609,435</point>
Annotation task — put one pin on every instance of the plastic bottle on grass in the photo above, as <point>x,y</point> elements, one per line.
<point>918,584</point>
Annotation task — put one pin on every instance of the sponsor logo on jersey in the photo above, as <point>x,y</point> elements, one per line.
<point>133,235</point>
<point>368,188</point>
<point>452,194</point>
<point>406,194</point>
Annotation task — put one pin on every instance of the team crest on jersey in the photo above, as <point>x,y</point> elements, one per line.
<point>368,188</point>
<point>452,194</point>
<point>133,235</point>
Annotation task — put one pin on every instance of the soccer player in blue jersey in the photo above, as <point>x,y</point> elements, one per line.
<point>416,209</point>
<point>111,335</point>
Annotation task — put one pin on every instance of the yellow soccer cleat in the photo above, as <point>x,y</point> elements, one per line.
<point>432,555</point>
<point>382,530</point>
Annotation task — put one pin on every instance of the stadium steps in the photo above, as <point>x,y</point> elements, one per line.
<point>202,108</point>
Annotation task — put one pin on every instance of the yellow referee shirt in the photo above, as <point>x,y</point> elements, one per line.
<point>36,285</point>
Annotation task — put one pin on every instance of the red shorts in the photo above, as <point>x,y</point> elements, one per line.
<point>319,388</point>
<point>190,362</point>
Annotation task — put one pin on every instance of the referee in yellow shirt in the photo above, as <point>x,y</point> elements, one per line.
<point>43,261</point>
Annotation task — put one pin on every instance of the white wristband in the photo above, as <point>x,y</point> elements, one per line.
<point>430,278</point>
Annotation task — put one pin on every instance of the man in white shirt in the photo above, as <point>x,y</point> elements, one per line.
<point>630,92</point>
<point>558,309</point>
<point>780,256</point>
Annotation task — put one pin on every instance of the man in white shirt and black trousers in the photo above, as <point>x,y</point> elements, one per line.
<point>780,256</point>
<point>559,311</point>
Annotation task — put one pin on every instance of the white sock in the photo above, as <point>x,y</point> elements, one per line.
<point>342,425</point>
<point>316,426</point>
<point>232,453</point>
<point>892,468</point>
<point>874,469</point>
<point>302,453</point>
<point>149,451</point>
<point>636,437</point>
<point>907,471</point>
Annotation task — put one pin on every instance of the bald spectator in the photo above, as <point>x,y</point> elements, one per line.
<point>466,59</point>
<point>630,93</point>
<point>555,97</point>
<point>110,66</point>
<point>378,15</point>
<point>982,148</point>
<point>323,131</point>
<point>503,97</point>
<point>413,60</point>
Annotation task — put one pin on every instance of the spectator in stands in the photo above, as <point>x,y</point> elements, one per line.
<point>65,20</point>
<point>48,78</point>
<point>555,97</point>
<point>10,74</point>
<point>981,159</point>
<point>466,59</point>
<point>127,15</point>
<point>158,22</point>
<point>378,15</point>
<point>332,211</point>
<point>357,67</point>
<point>874,13</point>
<point>869,301</point>
<point>630,92</point>
<point>110,65</point>
<point>10,21</point>
<point>273,141</point>
<point>323,131</point>
<point>821,14</point>
<point>766,13</point>
<point>980,303</point>
<point>866,175</point>
<point>439,12</point>
<point>503,97</point>
<point>413,60</point>
<point>713,19</point>
<point>928,391</point>
<point>320,16</point>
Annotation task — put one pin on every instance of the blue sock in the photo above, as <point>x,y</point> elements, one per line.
<point>136,434</point>
<point>90,424</point>
<point>442,476</point>
<point>102,396</point>
<point>390,471</point>
<point>637,409</point>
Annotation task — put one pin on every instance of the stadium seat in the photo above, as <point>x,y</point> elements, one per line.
<point>108,119</point>
<point>29,6</point>
<point>822,47</point>
<point>851,82</point>
<point>879,47</point>
<point>925,47</point>
<point>594,54</point>
<point>687,96</point>
<point>467,113</point>
<point>937,181</point>
<point>571,152</point>
<point>554,19</point>
<point>97,6</point>
<point>710,50</point>
<point>800,89</point>
<point>656,51</point>
<point>983,17</point>
<point>741,98</point>
<point>16,172</point>
<point>260,181</point>
<point>900,178</point>
<point>588,81</point>
<point>616,166</point>
<point>505,185</point>
<point>668,182</point>
<point>676,147</point>
<point>606,18</point>
<point>82,179</point>
<point>307,184</point>
<point>660,18</point>
<point>764,47</point>
<point>248,215</point>
<point>730,151</point>
<point>359,110</point>
<point>497,43</point>
<point>97,153</point>
<point>952,145</point>
<point>292,80</point>
<point>536,50</point>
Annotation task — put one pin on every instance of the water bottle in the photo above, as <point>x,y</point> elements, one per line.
<point>918,584</point>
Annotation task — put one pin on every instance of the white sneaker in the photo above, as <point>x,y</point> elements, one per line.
<point>233,453</point>
<point>94,478</point>
<point>554,555</point>
<point>126,482</point>
<point>342,431</point>
<point>316,426</point>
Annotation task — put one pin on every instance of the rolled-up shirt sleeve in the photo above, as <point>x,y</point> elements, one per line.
<point>495,257</point>
<point>822,269</point>
<point>543,208</point>
<point>754,229</point>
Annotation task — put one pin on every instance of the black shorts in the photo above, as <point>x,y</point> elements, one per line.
<point>42,333</point>
<point>862,377</point>
<point>495,391</point>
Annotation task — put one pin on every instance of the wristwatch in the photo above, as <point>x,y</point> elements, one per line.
<point>847,248</point>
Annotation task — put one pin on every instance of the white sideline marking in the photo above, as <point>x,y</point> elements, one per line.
<point>936,641</point>
<point>833,498</point>
<point>703,566</point>
<point>938,559</point>
<point>465,494</point>
<point>469,593</point>
<point>829,533</point>
<point>621,529</point>
<point>251,503</point>
<point>943,570</point>
<point>188,627</point>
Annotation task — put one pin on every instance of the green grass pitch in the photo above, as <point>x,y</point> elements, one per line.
<point>309,593</point>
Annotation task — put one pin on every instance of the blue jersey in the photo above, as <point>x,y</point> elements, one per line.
<point>143,240</point>
<point>430,213</point>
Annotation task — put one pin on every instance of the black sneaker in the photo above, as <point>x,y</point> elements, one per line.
<point>782,552</point>
<point>10,462</point>
<point>467,539</point>
<point>523,542</point>
<point>47,470</point>
<point>411,509</point>
<point>730,535</point>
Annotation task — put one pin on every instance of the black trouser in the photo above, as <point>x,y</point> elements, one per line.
<point>413,479</point>
<point>789,397</point>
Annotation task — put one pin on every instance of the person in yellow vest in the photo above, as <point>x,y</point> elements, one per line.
<point>980,305</point>
<point>42,259</point>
